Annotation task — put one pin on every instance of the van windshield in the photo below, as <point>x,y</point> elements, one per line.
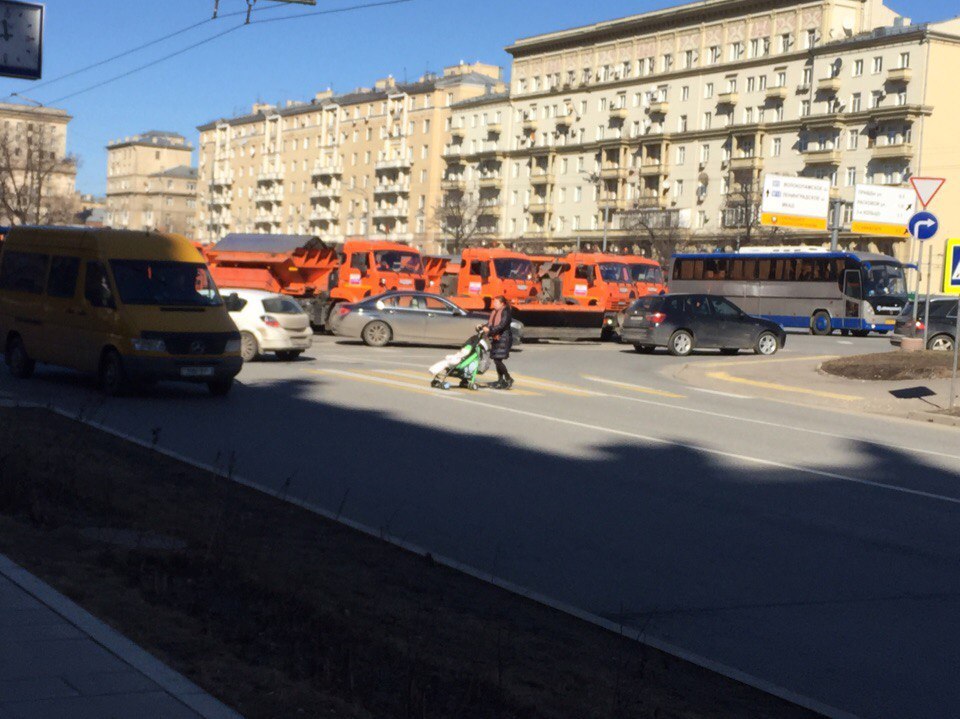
<point>152,282</point>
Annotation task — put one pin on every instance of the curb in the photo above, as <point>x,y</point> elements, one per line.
<point>944,420</point>
<point>172,682</point>
<point>599,621</point>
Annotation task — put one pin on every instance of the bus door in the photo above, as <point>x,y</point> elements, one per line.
<point>852,293</point>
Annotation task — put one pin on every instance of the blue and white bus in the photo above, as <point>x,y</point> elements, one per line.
<point>813,289</point>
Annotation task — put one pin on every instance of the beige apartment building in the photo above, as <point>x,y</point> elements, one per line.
<point>665,123</point>
<point>37,177</point>
<point>152,183</point>
<point>367,163</point>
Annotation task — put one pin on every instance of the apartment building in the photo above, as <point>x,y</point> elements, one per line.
<point>152,183</point>
<point>366,163</point>
<point>665,123</point>
<point>37,176</point>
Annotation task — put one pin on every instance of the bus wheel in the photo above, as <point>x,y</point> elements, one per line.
<point>861,333</point>
<point>820,324</point>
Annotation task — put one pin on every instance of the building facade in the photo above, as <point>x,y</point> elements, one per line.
<point>662,125</point>
<point>367,163</point>
<point>152,183</point>
<point>37,176</point>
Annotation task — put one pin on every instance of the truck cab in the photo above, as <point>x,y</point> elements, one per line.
<point>646,275</point>
<point>487,273</point>
<point>368,268</point>
<point>593,279</point>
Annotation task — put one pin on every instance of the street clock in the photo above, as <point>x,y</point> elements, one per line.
<point>21,39</point>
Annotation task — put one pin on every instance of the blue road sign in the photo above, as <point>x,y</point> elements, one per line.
<point>923,225</point>
<point>952,283</point>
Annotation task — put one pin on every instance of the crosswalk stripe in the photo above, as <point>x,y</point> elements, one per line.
<point>382,381</point>
<point>422,376</point>
<point>551,386</point>
<point>634,387</point>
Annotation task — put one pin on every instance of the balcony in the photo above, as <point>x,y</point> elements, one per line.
<point>325,192</point>
<point>746,163</point>
<point>650,168</point>
<point>222,179</point>
<point>391,188</point>
<point>322,169</point>
<point>529,124</point>
<point>494,128</point>
<point>728,98</point>
<point>489,181</point>
<point>536,233</point>
<point>613,204</point>
<point>899,75</point>
<point>651,201</point>
<point>323,214</point>
<point>270,174</point>
<point>271,195</point>
<point>396,163</point>
<point>268,218</point>
<point>221,199</point>
<point>899,151</point>
<point>613,172</point>
<point>538,207</point>
<point>541,178</point>
<point>617,113</point>
<point>829,85</point>
<point>390,212</point>
<point>778,94</point>
<point>453,184</point>
<point>493,209</point>
<point>452,151</point>
<point>821,157</point>
<point>659,107</point>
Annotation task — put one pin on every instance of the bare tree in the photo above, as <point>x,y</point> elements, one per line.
<point>30,168</point>
<point>658,230</point>
<point>457,218</point>
<point>741,213</point>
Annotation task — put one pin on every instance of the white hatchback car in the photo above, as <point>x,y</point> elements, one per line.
<point>268,322</point>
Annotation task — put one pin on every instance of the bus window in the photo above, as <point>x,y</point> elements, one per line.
<point>765,270</point>
<point>851,284</point>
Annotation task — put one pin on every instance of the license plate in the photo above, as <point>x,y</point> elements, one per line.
<point>196,371</point>
<point>406,282</point>
<point>624,290</point>
<point>521,287</point>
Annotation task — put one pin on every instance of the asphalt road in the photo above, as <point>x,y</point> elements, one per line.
<point>815,550</point>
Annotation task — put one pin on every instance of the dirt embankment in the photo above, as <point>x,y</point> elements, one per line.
<point>281,613</point>
<point>893,365</point>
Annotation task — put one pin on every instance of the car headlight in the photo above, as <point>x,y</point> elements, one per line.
<point>143,345</point>
<point>232,345</point>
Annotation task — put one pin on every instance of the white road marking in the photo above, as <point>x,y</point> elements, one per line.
<point>722,394</point>
<point>633,387</point>
<point>671,442</point>
<point>844,342</point>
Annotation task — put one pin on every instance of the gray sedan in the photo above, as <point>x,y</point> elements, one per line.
<point>414,317</point>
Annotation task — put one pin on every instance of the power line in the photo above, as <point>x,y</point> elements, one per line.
<point>333,11</point>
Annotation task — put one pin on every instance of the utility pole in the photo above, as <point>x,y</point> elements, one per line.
<point>836,213</point>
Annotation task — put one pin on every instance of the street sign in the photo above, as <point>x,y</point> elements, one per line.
<point>882,210</point>
<point>926,188</point>
<point>923,225</point>
<point>951,267</point>
<point>798,202</point>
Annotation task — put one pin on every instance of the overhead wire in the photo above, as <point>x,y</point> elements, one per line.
<point>152,63</point>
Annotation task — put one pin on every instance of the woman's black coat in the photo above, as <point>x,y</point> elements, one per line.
<point>501,335</point>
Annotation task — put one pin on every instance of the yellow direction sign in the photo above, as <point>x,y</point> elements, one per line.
<point>880,210</point>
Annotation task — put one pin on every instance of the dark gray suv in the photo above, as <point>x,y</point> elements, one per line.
<point>941,327</point>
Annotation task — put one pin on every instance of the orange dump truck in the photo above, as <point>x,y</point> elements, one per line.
<point>318,275</point>
<point>646,274</point>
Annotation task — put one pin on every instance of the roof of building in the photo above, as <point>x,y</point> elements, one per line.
<point>488,99</point>
<point>428,83</point>
<point>154,138</point>
<point>183,171</point>
<point>276,244</point>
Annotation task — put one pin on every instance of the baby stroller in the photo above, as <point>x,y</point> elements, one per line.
<point>472,359</point>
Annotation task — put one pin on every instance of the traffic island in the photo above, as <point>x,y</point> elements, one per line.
<point>283,613</point>
<point>924,364</point>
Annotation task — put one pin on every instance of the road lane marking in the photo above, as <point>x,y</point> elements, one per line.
<point>765,360</point>
<point>357,377</point>
<point>661,441</point>
<point>722,394</point>
<point>725,377</point>
<point>634,387</point>
<point>559,387</point>
<point>426,376</point>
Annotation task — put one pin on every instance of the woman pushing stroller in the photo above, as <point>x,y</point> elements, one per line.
<point>498,330</point>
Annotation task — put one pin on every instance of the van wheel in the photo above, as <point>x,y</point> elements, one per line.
<point>377,334</point>
<point>113,378</point>
<point>20,363</point>
<point>820,323</point>
<point>220,387</point>
<point>249,347</point>
<point>681,343</point>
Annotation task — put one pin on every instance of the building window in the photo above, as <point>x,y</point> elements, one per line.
<point>876,97</point>
<point>736,51</point>
<point>851,178</point>
<point>707,120</point>
<point>690,58</point>
<point>685,92</point>
<point>856,102</point>
<point>775,147</point>
<point>704,153</point>
<point>748,115</point>
<point>678,188</point>
<point>667,63</point>
<point>857,68</point>
<point>714,54</point>
<point>810,39</point>
<point>682,124</point>
<point>786,42</point>
<point>877,65</point>
<point>708,90</point>
<point>904,59</point>
<point>853,140</point>
<point>681,155</point>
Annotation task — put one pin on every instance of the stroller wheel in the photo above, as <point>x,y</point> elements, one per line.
<point>445,385</point>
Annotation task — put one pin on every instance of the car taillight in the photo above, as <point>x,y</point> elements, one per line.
<point>343,310</point>
<point>919,325</point>
<point>657,317</point>
<point>270,321</point>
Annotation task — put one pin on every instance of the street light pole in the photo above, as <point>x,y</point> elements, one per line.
<point>606,222</point>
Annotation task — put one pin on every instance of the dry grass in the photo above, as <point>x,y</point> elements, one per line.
<point>281,613</point>
<point>895,365</point>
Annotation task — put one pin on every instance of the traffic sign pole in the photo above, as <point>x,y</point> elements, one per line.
<point>956,346</point>
<point>926,305</point>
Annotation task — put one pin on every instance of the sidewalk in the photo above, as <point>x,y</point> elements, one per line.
<point>797,380</point>
<point>59,662</point>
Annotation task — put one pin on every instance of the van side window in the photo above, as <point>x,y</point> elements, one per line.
<point>64,272</point>
<point>96,288</point>
<point>24,271</point>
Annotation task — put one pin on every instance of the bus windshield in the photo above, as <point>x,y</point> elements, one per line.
<point>151,282</point>
<point>647,273</point>
<point>883,278</point>
<point>614,272</point>
<point>513,268</point>
<point>397,261</point>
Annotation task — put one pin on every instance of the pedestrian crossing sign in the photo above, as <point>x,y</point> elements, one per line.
<point>951,267</point>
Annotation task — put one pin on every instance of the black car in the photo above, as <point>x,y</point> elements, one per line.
<point>682,323</point>
<point>941,323</point>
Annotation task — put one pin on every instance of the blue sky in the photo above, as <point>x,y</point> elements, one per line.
<point>278,60</point>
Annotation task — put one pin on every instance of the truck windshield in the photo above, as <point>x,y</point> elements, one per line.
<point>513,268</point>
<point>883,278</point>
<point>647,273</point>
<point>154,282</point>
<point>614,272</point>
<point>397,261</point>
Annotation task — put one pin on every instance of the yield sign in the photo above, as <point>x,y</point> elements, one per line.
<point>926,188</point>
